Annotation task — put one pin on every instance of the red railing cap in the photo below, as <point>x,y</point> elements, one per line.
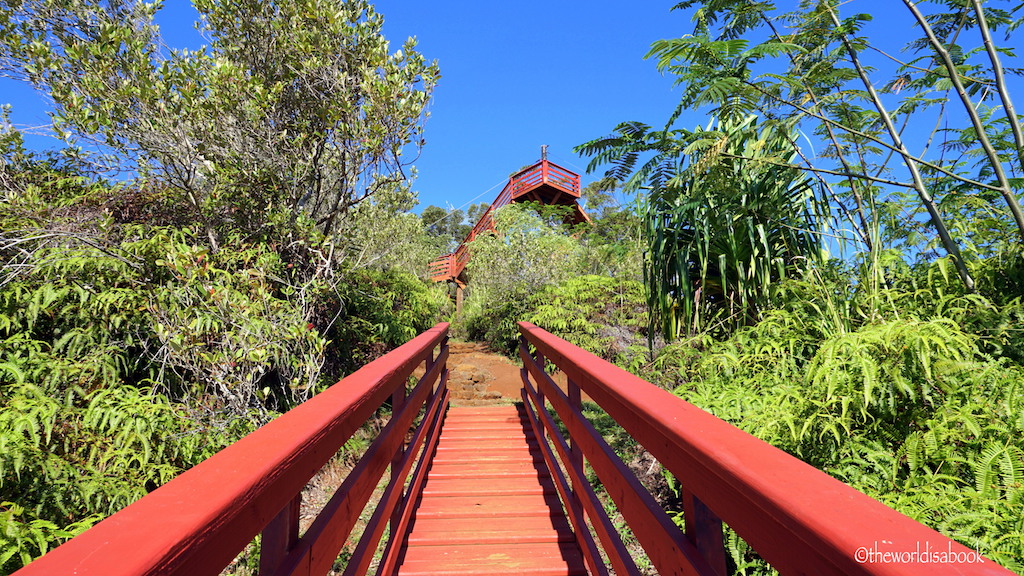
<point>796,516</point>
<point>199,521</point>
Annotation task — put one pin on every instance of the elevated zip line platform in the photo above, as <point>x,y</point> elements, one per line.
<point>504,490</point>
<point>544,182</point>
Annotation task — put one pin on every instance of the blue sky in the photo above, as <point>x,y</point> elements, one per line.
<point>516,75</point>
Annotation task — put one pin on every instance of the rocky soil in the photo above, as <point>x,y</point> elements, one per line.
<point>479,377</point>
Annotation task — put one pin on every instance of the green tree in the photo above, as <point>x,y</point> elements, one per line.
<point>475,211</point>
<point>726,217</point>
<point>613,240</point>
<point>294,107</point>
<point>447,225</point>
<point>807,68</point>
<point>527,254</point>
<point>381,233</point>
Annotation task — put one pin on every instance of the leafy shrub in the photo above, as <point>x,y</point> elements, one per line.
<point>913,412</point>
<point>606,316</point>
<point>131,352</point>
<point>374,311</point>
<point>528,254</point>
<point>22,540</point>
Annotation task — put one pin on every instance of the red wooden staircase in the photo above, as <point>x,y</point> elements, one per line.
<point>504,490</point>
<point>544,182</point>
<point>489,506</point>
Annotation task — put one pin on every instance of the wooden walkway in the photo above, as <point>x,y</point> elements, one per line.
<point>489,505</point>
<point>484,502</point>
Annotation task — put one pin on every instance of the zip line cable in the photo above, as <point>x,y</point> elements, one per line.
<point>470,201</point>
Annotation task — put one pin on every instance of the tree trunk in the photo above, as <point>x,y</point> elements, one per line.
<point>940,226</point>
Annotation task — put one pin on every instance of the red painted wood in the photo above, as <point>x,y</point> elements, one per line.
<point>517,485</point>
<point>704,529</point>
<point>388,506</point>
<point>472,518</point>
<point>322,541</point>
<point>198,522</point>
<point>615,549</point>
<point>584,537</point>
<point>666,546</point>
<point>279,537</point>
<point>408,506</point>
<point>504,559</point>
<point>544,181</point>
<point>799,519</point>
<point>485,469</point>
<point>516,529</point>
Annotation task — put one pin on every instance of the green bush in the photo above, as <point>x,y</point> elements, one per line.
<point>130,352</point>
<point>606,316</point>
<point>895,392</point>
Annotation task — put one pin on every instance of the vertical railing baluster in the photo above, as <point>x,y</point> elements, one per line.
<point>542,362</point>
<point>397,403</point>
<point>575,452</point>
<point>704,530</point>
<point>279,536</point>
<point>428,363</point>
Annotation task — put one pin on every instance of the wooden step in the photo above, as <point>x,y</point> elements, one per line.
<point>488,505</point>
<point>557,559</point>
<point>478,530</point>
<point>516,485</point>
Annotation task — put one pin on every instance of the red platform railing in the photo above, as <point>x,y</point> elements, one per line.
<point>799,519</point>
<point>199,522</point>
<point>545,172</point>
<point>450,266</point>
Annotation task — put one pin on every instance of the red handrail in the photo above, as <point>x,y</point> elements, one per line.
<point>799,519</point>
<point>198,522</point>
<point>450,266</point>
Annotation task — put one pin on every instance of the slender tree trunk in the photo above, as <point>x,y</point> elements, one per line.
<point>864,230</point>
<point>1004,93</point>
<point>979,127</point>
<point>919,186</point>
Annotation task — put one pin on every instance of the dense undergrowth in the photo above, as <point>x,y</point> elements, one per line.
<point>131,350</point>
<point>910,390</point>
<point>912,395</point>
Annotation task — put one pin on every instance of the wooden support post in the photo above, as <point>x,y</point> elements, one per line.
<point>542,404</point>
<point>575,451</point>
<point>459,296</point>
<point>397,403</point>
<point>704,530</point>
<point>279,536</point>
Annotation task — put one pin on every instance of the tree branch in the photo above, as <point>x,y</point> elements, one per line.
<point>947,241</point>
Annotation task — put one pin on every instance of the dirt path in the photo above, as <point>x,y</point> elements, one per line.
<point>479,377</point>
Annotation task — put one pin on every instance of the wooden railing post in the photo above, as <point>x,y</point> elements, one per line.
<point>575,454</point>
<point>397,403</point>
<point>704,530</point>
<point>280,536</point>
<point>575,451</point>
<point>541,403</point>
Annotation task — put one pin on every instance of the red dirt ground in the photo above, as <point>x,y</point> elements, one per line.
<point>479,377</point>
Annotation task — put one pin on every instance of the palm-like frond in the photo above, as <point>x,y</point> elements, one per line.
<point>726,215</point>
